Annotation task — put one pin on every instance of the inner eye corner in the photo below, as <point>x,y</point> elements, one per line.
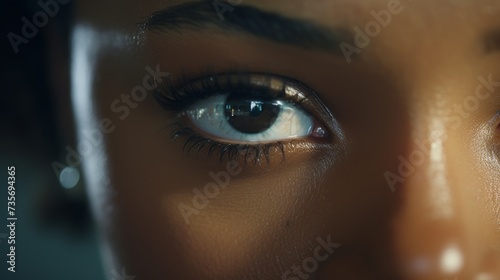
<point>320,132</point>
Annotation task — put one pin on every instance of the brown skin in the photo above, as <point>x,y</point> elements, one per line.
<point>269,217</point>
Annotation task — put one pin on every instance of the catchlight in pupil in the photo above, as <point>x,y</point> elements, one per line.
<point>250,115</point>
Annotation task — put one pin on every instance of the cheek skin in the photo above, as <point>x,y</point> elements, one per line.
<point>250,223</point>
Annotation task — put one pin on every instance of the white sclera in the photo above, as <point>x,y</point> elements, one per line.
<point>209,116</point>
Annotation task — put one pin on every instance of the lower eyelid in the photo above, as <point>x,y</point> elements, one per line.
<point>256,153</point>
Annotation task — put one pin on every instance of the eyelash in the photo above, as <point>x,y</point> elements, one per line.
<point>174,98</point>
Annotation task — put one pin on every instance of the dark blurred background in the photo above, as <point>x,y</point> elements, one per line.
<point>55,238</point>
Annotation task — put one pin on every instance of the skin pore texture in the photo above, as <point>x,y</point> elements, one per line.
<point>407,186</point>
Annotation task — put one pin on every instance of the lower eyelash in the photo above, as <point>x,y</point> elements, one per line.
<point>247,152</point>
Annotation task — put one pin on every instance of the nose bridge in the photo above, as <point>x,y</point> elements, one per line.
<point>437,232</point>
<point>434,174</point>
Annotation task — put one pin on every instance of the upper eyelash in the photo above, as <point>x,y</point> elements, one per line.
<point>177,98</point>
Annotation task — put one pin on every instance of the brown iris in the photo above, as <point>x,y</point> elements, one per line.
<point>250,114</point>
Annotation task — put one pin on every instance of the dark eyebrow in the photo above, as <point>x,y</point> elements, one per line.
<point>250,20</point>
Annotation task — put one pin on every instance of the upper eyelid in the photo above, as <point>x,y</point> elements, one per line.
<point>190,91</point>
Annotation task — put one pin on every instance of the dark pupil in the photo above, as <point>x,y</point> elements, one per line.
<point>249,114</point>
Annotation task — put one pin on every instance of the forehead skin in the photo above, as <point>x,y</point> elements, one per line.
<point>398,90</point>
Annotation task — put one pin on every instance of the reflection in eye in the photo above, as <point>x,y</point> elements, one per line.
<point>243,118</point>
<point>250,114</point>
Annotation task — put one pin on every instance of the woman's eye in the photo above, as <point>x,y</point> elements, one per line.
<point>244,114</point>
<point>244,118</point>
